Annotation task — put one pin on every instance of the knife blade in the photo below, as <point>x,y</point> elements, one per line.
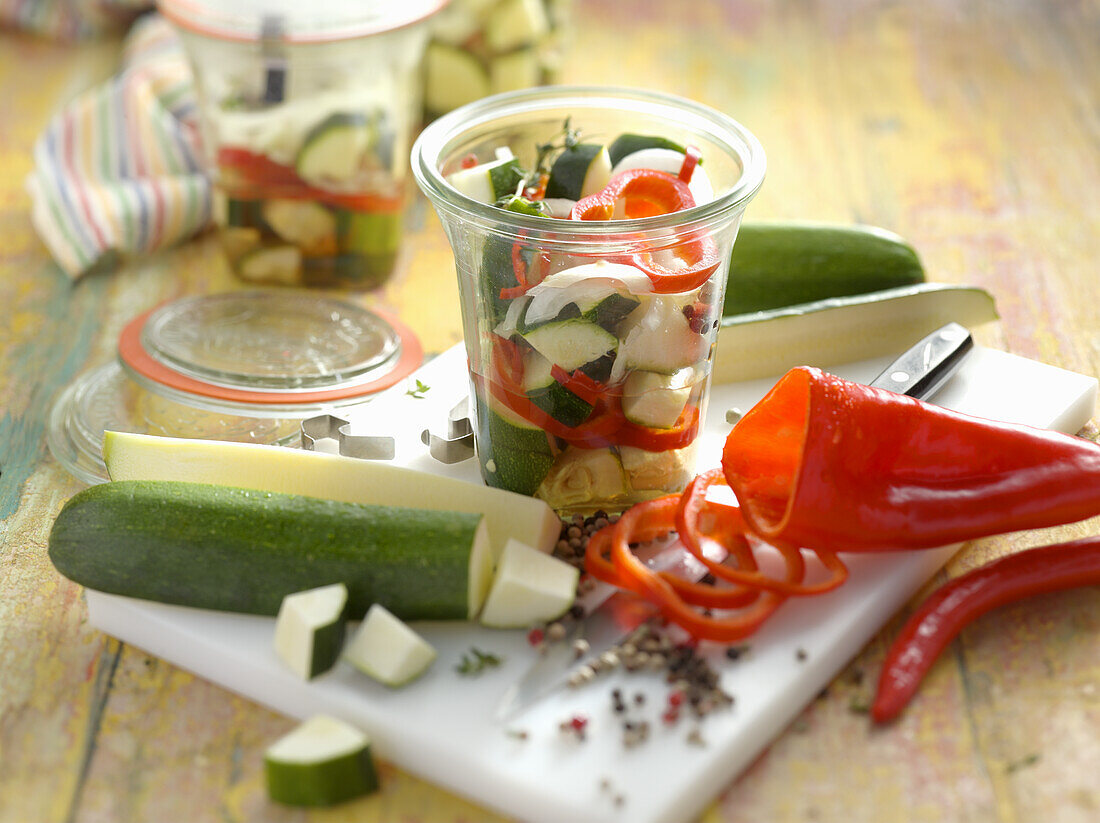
<point>611,615</point>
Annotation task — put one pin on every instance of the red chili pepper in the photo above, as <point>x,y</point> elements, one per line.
<point>825,463</point>
<point>957,603</point>
<point>692,156</point>
<point>647,193</point>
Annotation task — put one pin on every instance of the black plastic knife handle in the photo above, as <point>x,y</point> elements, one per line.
<point>922,370</point>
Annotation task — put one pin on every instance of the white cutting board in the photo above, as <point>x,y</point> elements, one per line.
<point>442,726</point>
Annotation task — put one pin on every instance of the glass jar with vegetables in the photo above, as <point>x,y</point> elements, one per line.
<point>307,112</point>
<point>592,231</point>
<point>483,47</point>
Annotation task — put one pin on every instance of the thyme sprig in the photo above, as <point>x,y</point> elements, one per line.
<point>564,140</point>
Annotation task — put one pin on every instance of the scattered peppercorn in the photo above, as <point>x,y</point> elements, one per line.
<point>800,655</point>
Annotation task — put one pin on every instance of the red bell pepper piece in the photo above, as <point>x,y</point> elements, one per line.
<point>825,463</point>
<point>635,193</point>
<point>957,603</point>
<point>260,177</point>
<point>694,508</point>
<point>647,193</point>
<point>682,433</point>
<point>634,575</point>
<point>703,595</point>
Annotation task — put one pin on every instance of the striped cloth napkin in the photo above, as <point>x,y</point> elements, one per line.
<point>118,171</point>
<point>70,19</point>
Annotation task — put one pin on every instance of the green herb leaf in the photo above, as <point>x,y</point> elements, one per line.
<point>419,391</point>
<point>477,661</point>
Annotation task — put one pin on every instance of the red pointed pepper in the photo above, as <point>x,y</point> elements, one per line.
<point>828,464</point>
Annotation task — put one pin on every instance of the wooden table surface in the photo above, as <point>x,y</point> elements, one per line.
<point>971,128</point>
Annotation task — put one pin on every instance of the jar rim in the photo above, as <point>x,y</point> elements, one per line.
<point>433,142</point>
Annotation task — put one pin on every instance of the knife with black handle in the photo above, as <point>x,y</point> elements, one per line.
<point>610,616</point>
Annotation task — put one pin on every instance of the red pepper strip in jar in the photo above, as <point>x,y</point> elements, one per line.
<point>694,509</point>
<point>648,193</point>
<point>703,595</point>
<point>957,603</point>
<point>579,383</point>
<point>504,383</point>
<point>692,156</point>
<point>829,464</point>
<point>682,433</point>
<point>635,576</point>
<point>635,193</point>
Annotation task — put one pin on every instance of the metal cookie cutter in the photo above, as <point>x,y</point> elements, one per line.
<point>365,446</point>
<point>458,444</point>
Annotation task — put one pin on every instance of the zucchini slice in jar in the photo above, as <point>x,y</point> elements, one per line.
<point>305,223</point>
<point>335,149</point>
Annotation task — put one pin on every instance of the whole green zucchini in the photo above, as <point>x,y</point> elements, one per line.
<point>240,550</point>
<point>783,264</point>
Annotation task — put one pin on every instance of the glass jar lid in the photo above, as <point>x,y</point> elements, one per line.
<point>242,366</point>
<point>318,21</point>
<point>267,351</point>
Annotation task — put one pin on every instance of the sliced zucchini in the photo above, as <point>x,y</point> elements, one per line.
<point>553,398</point>
<point>322,762</point>
<point>488,182</point>
<point>585,286</point>
<point>657,337</point>
<point>579,171</point>
<point>504,428</point>
<point>310,628</point>
<point>516,470</point>
<point>334,149</point>
<point>316,474</point>
<point>237,241</point>
<point>306,223</point>
<point>516,70</point>
<point>272,264</point>
<point>515,23</point>
<point>626,144</point>
<point>453,78</point>
<point>657,400</point>
<point>842,329</point>
<point>610,311</point>
<point>243,213</point>
<point>455,23</point>
<point>529,587</point>
<point>572,343</point>
<point>368,233</point>
<point>388,650</point>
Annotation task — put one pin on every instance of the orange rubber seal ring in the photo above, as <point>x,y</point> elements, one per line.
<point>134,355</point>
